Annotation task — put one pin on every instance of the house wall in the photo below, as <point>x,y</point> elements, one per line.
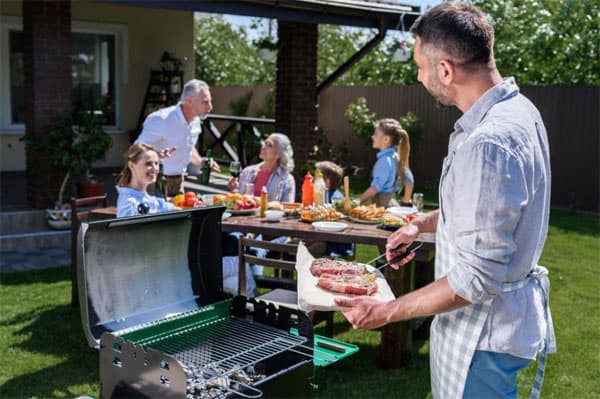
<point>147,39</point>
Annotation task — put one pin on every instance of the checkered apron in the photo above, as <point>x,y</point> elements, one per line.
<point>454,335</point>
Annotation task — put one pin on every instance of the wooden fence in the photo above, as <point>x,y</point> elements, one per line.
<point>571,115</point>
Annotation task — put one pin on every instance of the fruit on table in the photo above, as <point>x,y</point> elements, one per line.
<point>235,201</point>
<point>187,200</point>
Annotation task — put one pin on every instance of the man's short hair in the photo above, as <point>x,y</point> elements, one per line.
<point>460,30</point>
<point>193,89</point>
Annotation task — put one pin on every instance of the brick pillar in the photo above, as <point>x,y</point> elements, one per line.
<point>296,96</point>
<point>47,53</point>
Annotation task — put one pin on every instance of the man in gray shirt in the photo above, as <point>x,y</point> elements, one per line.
<point>490,296</point>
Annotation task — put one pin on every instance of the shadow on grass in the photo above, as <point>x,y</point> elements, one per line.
<point>55,331</point>
<point>360,376</point>
<point>46,276</point>
<point>575,222</point>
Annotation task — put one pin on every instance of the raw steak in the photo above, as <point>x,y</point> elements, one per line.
<point>330,266</point>
<point>348,284</point>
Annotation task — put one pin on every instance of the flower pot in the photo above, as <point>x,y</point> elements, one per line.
<point>59,219</point>
<point>90,188</point>
<point>266,54</point>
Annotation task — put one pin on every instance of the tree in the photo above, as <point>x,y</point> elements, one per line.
<point>224,55</point>
<point>543,42</point>
<point>337,44</point>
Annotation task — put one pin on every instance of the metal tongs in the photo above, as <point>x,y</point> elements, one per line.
<point>412,248</point>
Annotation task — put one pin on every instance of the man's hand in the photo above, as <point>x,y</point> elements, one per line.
<point>364,312</point>
<point>214,165</point>
<point>166,153</point>
<point>405,235</point>
<point>233,184</point>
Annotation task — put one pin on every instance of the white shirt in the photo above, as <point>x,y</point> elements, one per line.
<point>167,127</point>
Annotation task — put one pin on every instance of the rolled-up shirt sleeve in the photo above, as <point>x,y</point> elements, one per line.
<point>489,194</point>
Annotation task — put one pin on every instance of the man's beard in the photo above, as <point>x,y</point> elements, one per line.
<point>439,94</point>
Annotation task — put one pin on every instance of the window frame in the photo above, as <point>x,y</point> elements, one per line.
<point>121,37</point>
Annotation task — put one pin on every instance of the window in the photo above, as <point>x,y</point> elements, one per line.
<point>95,67</point>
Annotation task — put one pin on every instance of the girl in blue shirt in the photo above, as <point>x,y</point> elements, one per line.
<point>391,171</point>
<point>140,170</point>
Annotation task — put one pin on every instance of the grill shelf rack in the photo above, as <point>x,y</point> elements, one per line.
<point>206,353</point>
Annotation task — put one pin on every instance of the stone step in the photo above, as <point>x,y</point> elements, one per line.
<point>42,258</point>
<point>23,222</point>
<point>35,240</point>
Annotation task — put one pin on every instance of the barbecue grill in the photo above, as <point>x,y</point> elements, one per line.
<point>152,301</point>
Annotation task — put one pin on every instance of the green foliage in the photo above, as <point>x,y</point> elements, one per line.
<point>224,56</point>
<point>73,142</point>
<point>544,42</point>
<point>415,128</point>
<point>337,44</point>
<point>362,120</point>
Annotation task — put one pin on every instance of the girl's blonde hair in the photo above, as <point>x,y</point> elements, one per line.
<point>133,154</point>
<point>392,128</point>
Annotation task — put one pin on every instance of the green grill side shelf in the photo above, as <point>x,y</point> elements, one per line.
<point>153,332</point>
<point>327,351</point>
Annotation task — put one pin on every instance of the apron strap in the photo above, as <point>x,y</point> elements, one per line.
<point>540,275</point>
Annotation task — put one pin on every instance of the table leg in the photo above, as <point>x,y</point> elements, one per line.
<point>396,338</point>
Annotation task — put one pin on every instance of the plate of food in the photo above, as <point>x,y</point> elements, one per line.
<point>320,214</point>
<point>362,221</point>
<point>241,212</point>
<point>329,226</point>
<point>392,222</point>
<point>369,214</point>
<point>402,210</point>
<point>322,280</point>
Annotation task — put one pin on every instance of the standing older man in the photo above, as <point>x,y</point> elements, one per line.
<point>490,296</point>
<point>174,131</point>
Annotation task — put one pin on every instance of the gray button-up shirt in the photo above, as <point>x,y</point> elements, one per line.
<point>495,201</point>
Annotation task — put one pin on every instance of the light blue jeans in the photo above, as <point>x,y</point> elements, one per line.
<point>493,375</point>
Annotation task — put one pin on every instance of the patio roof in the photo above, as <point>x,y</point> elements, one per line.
<point>380,14</point>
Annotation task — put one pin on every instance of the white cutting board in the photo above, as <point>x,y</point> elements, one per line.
<point>312,297</point>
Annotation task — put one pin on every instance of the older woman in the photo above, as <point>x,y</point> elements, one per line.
<point>274,172</point>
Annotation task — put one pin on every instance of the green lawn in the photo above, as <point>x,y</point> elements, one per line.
<point>45,355</point>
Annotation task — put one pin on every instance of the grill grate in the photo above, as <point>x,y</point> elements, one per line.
<point>228,344</point>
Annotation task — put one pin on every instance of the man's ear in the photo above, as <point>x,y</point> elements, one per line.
<point>446,71</point>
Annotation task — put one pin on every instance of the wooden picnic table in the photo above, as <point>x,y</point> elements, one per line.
<point>396,338</point>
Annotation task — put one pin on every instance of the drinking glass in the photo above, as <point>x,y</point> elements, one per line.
<point>235,167</point>
<point>249,189</point>
<point>418,201</point>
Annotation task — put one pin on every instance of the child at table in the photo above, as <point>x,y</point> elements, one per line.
<point>332,175</point>
<point>391,171</point>
<point>140,171</point>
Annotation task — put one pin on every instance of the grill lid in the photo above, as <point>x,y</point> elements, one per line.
<point>137,270</point>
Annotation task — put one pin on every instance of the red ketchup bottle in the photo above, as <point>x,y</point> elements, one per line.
<point>307,190</point>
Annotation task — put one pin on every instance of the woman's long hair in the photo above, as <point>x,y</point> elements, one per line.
<point>400,139</point>
<point>133,154</point>
<point>284,146</point>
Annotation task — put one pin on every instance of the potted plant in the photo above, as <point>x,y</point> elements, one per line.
<point>267,48</point>
<point>75,143</point>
